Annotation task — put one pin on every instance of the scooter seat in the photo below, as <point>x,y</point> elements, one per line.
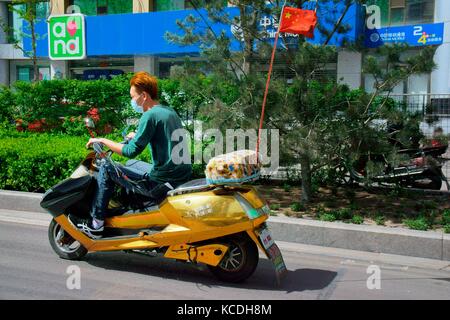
<point>196,185</point>
<point>138,165</point>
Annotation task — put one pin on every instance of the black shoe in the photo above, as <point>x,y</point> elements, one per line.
<point>85,226</point>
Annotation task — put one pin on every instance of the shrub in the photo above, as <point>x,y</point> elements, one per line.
<point>6,101</point>
<point>53,105</point>
<point>357,219</point>
<point>274,206</point>
<point>35,163</point>
<point>344,213</point>
<point>297,206</point>
<point>328,217</point>
<point>446,217</point>
<point>447,228</point>
<point>380,220</point>
<point>420,223</point>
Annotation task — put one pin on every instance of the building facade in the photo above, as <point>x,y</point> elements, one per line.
<point>128,35</point>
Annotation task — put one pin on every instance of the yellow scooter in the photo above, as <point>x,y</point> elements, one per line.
<point>221,226</point>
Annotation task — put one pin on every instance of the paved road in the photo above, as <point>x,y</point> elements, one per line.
<point>29,270</point>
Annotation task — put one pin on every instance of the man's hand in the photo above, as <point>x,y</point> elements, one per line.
<point>130,135</point>
<point>113,146</point>
<point>93,140</point>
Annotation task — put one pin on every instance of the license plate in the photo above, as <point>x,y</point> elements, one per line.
<point>266,238</point>
<point>273,252</point>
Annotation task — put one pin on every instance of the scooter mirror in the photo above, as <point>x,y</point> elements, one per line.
<point>132,121</point>
<point>129,122</point>
<point>89,123</point>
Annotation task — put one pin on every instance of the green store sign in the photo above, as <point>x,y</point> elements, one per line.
<point>67,37</point>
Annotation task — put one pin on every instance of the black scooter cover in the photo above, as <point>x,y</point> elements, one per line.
<point>60,197</point>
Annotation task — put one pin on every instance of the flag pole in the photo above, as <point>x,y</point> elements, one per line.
<point>267,84</point>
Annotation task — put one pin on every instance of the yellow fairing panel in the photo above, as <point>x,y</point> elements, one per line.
<point>207,209</point>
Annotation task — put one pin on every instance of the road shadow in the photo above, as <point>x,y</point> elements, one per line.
<point>264,277</point>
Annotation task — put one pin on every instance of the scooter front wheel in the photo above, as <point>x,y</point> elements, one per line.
<point>63,244</point>
<point>239,262</point>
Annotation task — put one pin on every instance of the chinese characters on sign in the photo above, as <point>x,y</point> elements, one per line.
<point>415,35</point>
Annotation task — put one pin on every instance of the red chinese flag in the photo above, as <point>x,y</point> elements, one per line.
<point>298,21</point>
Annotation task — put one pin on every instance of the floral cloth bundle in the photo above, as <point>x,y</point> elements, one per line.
<point>234,167</point>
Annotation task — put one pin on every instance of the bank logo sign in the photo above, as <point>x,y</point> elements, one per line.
<point>67,37</point>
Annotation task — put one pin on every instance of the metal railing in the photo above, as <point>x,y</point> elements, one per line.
<point>426,104</point>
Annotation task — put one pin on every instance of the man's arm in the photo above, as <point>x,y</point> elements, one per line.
<point>114,146</point>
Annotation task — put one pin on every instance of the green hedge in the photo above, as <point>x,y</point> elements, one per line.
<point>34,162</point>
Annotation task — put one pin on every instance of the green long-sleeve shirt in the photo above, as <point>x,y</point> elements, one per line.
<point>155,129</point>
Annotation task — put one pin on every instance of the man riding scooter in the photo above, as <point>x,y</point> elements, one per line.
<point>155,129</point>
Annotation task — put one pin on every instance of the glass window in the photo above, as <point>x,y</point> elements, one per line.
<point>401,12</point>
<point>26,73</point>
<point>419,11</point>
<point>87,7</point>
<point>397,16</point>
<point>101,7</point>
<point>17,21</point>
<point>42,10</point>
<point>23,74</point>
<point>169,5</point>
<point>44,73</point>
<point>120,6</point>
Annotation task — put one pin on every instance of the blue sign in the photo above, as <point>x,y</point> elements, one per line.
<point>328,13</point>
<point>144,33</point>
<point>414,35</point>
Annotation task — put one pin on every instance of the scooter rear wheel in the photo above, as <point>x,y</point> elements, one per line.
<point>239,262</point>
<point>63,244</point>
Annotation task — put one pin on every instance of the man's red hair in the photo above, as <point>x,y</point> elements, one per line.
<point>143,81</point>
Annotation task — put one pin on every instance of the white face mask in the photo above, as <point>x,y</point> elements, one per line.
<point>137,108</point>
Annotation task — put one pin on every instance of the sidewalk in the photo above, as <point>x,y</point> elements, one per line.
<point>377,239</point>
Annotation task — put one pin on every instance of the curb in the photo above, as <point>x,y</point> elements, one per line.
<point>377,239</point>
<point>21,201</point>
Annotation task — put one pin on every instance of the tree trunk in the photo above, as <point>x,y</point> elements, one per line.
<point>248,27</point>
<point>34,58</point>
<point>305,164</point>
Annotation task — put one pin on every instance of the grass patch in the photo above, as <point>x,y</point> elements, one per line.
<point>420,223</point>
<point>298,206</point>
<point>446,217</point>
<point>380,220</point>
<point>274,206</point>
<point>344,214</point>
<point>357,219</point>
<point>330,217</point>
